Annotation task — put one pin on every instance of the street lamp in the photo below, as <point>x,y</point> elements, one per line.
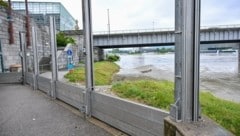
<point>108,21</point>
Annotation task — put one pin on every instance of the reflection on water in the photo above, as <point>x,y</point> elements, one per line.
<point>225,62</point>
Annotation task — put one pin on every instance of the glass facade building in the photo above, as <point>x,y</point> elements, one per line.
<point>40,12</point>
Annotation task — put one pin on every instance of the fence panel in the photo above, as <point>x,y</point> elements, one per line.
<point>44,84</point>
<point>70,94</point>
<point>12,77</point>
<point>130,117</point>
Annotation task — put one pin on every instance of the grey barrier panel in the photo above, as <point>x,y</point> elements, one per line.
<point>70,94</point>
<point>10,77</point>
<point>29,78</point>
<point>130,117</point>
<point>44,84</point>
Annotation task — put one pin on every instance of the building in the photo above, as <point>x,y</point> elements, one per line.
<point>40,12</point>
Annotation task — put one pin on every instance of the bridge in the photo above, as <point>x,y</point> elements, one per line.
<point>163,37</point>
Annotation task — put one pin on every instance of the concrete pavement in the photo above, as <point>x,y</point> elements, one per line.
<point>24,112</point>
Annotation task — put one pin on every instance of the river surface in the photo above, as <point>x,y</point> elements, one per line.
<point>218,72</point>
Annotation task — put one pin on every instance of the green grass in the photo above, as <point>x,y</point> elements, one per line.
<point>226,113</point>
<point>153,93</point>
<point>160,94</point>
<point>103,72</point>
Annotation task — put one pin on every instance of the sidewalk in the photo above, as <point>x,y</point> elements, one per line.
<point>24,112</point>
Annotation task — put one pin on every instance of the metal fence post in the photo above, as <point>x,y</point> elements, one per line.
<point>88,41</point>
<point>35,56</point>
<point>238,59</point>
<point>23,56</point>
<point>187,28</point>
<point>53,45</point>
<point>1,58</point>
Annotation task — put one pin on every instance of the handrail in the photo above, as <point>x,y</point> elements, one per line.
<point>160,29</point>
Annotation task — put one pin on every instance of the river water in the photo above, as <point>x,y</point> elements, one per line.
<point>218,72</point>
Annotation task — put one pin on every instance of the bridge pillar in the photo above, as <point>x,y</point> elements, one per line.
<point>98,54</point>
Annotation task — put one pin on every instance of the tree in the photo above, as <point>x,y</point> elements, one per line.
<point>63,40</point>
<point>4,4</point>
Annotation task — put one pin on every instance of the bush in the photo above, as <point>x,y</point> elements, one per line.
<point>63,40</point>
<point>113,58</point>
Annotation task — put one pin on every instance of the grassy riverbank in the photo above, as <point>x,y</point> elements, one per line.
<point>160,94</point>
<point>103,72</point>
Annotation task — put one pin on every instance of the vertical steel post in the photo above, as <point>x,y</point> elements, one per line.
<point>1,61</point>
<point>88,41</point>
<point>53,44</point>
<point>35,56</point>
<point>23,56</point>
<point>197,19</point>
<point>238,51</point>
<point>238,59</point>
<point>187,28</point>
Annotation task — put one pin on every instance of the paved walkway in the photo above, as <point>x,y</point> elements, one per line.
<point>24,112</point>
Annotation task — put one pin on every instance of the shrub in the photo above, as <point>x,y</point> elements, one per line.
<point>63,40</point>
<point>113,58</point>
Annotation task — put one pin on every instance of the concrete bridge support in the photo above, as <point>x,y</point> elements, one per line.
<point>98,54</point>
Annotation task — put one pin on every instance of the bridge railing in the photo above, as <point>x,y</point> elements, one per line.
<point>160,29</point>
<point>133,31</point>
<point>221,26</point>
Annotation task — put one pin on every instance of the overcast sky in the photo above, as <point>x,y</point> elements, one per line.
<point>146,14</point>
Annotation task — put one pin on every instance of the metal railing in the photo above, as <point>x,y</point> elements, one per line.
<point>133,31</point>
<point>160,29</point>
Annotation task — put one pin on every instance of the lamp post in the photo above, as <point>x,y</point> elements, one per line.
<point>153,23</point>
<point>108,21</point>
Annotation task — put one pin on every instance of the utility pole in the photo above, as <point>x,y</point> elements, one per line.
<point>108,21</point>
<point>153,24</point>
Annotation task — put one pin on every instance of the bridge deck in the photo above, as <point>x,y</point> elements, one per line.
<point>24,112</point>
